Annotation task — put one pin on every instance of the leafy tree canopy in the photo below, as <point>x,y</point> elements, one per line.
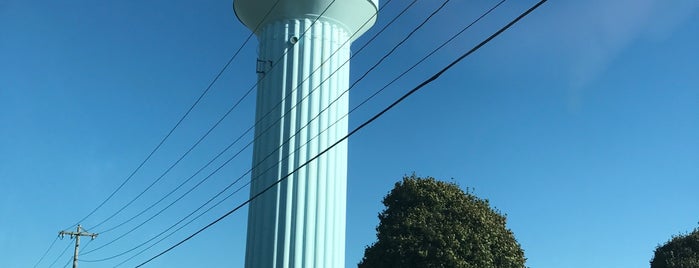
<point>430,223</point>
<point>682,251</point>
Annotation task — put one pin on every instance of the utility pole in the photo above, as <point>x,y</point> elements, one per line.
<point>78,233</point>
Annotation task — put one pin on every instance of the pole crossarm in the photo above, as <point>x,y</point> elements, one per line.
<point>80,232</point>
<point>77,234</point>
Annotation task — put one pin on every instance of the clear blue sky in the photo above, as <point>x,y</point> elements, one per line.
<point>581,123</point>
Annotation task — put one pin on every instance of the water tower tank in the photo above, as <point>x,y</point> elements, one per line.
<point>303,71</point>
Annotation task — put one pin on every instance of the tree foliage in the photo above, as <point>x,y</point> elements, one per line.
<point>429,223</point>
<point>682,251</point>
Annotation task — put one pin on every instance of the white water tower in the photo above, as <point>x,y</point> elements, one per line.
<point>303,46</point>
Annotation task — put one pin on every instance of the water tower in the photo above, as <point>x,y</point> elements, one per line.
<point>303,46</point>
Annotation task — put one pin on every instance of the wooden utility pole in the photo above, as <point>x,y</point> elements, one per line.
<point>77,234</point>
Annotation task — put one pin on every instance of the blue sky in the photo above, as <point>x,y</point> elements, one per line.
<point>581,123</point>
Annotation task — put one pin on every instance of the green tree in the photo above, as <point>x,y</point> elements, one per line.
<point>430,223</point>
<point>682,251</point>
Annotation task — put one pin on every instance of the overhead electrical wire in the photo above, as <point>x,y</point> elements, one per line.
<point>175,224</point>
<point>217,123</point>
<point>68,262</point>
<point>87,244</point>
<point>191,148</point>
<point>221,166</point>
<point>61,254</point>
<point>400,43</point>
<point>165,138</point>
<point>84,247</point>
<point>162,141</point>
<point>427,56</point>
<point>247,93</point>
<point>46,252</point>
<point>225,189</point>
<point>189,110</point>
<point>264,116</point>
<point>65,249</point>
<point>418,62</point>
<point>157,147</point>
<point>355,130</point>
<point>184,225</point>
<point>175,127</point>
<point>212,173</point>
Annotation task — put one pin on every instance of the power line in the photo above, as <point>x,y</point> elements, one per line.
<point>86,245</point>
<point>180,186</point>
<point>400,43</point>
<point>175,224</point>
<point>162,141</point>
<point>173,129</point>
<point>206,164</point>
<point>46,252</point>
<point>67,263</point>
<point>172,203</point>
<point>225,163</point>
<point>428,55</point>
<point>353,109</point>
<point>181,159</point>
<point>211,128</point>
<point>156,147</point>
<point>396,102</point>
<point>61,254</point>
<point>252,127</point>
<point>184,225</point>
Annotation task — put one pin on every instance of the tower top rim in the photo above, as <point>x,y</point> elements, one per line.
<point>352,14</point>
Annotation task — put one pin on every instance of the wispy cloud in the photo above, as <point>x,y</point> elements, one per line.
<point>595,32</point>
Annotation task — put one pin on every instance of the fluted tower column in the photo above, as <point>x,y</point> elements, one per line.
<point>300,112</point>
